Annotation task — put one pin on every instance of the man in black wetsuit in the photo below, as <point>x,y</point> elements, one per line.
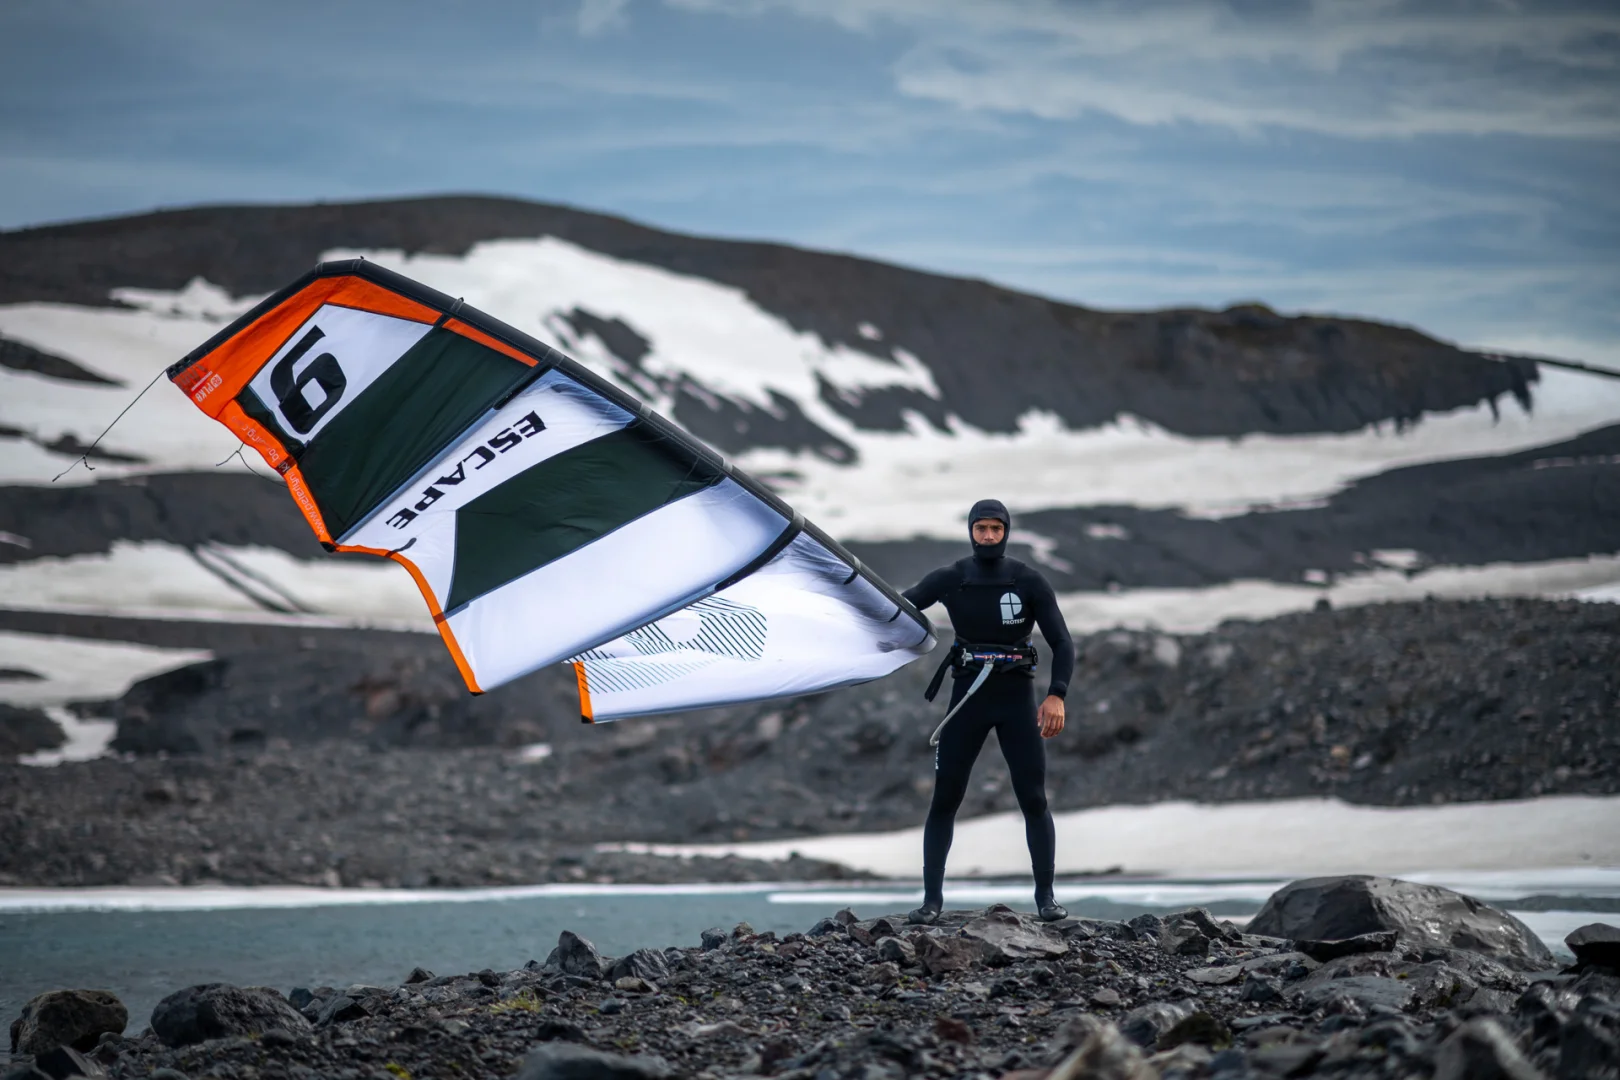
<point>993,602</point>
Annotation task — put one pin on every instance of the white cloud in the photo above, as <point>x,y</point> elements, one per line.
<point>597,16</point>
<point>1358,68</point>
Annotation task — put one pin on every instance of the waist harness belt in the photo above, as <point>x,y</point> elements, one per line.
<point>964,656</point>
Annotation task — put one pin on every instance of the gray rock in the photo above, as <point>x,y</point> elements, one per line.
<point>26,730</point>
<point>938,955</point>
<point>631,984</point>
<point>1279,964</point>
<point>1101,1052</point>
<point>1011,936</point>
<point>576,956</point>
<point>215,1010</point>
<point>648,965</point>
<point>714,937</point>
<point>1366,991</point>
<point>1145,1024</point>
<point>1146,923</point>
<point>893,948</point>
<point>1200,1028</point>
<point>1586,1050</point>
<point>1087,929</point>
<point>1481,1050</point>
<point>1260,989</point>
<point>340,1009</point>
<point>1182,937</point>
<point>1381,941</point>
<point>75,1018</point>
<point>64,1063</point>
<point>570,1061</point>
<point>823,927</point>
<point>1209,926</point>
<point>420,975</point>
<point>1336,908</point>
<point>1215,976</point>
<point>1595,943</point>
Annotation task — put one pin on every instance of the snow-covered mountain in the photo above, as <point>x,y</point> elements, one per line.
<point>1168,468</point>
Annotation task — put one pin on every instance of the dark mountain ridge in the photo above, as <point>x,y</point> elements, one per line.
<point>995,353</point>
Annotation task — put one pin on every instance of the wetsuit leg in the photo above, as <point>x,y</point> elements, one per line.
<point>958,749</point>
<point>1019,734</point>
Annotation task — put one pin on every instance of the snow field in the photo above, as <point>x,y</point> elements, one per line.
<point>1284,838</point>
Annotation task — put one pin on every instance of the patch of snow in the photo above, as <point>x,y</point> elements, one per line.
<point>1397,558</point>
<point>706,331</point>
<point>1167,650</point>
<point>87,739</point>
<point>1044,548</point>
<point>534,752</point>
<point>148,577</point>
<point>869,332</point>
<point>1100,530</point>
<point>1285,838</point>
<point>164,428</point>
<point>910,484</point>
<point>1195,611</point>
<point>78,669</point>
<point>200,299</point>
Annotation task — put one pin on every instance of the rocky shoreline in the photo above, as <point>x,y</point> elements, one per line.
<point>353,757</point>
<point>1341,977</point>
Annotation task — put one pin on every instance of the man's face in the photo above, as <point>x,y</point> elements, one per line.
<point>988,531</point>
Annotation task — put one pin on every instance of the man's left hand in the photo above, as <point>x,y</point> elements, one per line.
<point>1050,716</point>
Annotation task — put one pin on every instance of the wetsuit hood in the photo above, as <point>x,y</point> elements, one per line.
<point>993,509</point>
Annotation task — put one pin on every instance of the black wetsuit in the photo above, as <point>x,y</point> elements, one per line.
<point>994,600</point>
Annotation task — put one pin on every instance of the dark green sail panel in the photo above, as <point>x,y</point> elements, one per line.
<point>401,422</point>
<point>566,502</point>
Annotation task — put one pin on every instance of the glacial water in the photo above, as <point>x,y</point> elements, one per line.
<point>144,943</point>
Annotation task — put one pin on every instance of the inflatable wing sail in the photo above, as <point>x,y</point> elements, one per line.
<point>544,514</point>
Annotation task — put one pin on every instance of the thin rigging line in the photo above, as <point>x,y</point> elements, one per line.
<point>84,458</point>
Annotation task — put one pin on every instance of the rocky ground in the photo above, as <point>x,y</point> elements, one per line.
<point>347,756</point>
<point>983,994</point>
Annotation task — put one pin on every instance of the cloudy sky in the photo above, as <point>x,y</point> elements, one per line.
<point>1451,164</point>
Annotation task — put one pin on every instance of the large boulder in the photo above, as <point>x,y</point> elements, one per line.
<point>215,1010</point>
<point>1595,944</point>
<point>1338,908</point>
<point>76,1018</point>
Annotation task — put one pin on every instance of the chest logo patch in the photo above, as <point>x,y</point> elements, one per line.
<point>1012,608</point>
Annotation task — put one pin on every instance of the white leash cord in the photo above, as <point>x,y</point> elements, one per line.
<point>978,681</point>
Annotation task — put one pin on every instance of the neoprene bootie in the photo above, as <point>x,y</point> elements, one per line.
<point>927,915</point>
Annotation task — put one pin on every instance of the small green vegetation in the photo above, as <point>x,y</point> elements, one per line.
<point>524,1000</point>
<point>398,1070</point>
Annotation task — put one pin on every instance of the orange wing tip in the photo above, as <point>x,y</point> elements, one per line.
<point>585,714</point>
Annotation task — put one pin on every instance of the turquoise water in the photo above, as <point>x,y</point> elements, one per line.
<point>50,939</point>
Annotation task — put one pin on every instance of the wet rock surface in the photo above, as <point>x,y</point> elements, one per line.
<point>1340,916</point>
<point>1085,999</point>
<point>75,1018</point>
<point>1400,704</point>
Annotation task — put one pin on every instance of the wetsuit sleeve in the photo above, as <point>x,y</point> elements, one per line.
<point>1056,632</point>
<point>931,589</point>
